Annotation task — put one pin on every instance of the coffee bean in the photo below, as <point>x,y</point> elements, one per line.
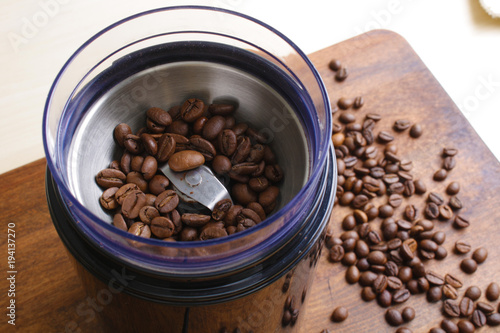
<point>492,292</point>
<point>460,222</point>
<point>434,294</point>
<point>133,203</point>
<point>466,307</point>
<point>455,203</point>
<point>380,284</point>
<point>450,292</point>
<point>411,213</point>
<point>335,64</point>
<point>339,314</point>
<point>408,314</point>
<point>367,294</point>
<point>341,74</point>
<point>420,187</point>
<point>480,254</point>
<point>469,266</point>
<point>347,118</point>
<point>221,109</point>
<point>148,213</point>
<point>108,200</point>
<point>453,188</point>
<point>416,131</point>
<point>401,125</point>
<point>140,229</point>
<point>212,232</point>
<point>403,330</point>
<point>437,330</point>
<point>493,319</point>
<point>393,317</point>
<point>431,210</point>
<point>185,160</point>
<point>385,137</point>
<point>345,103</point>
<point>166,201</point>
<point>358,102</point>
<point>400,296</point>
<point>119,222</point>
<point>384,299</point>
<point>336,253</point>
<point>451,308</point>
<point>120,132</point>
<point>352,275</point>
<point>166,148</point>
<point>366,279</point>
<point>110,178</point>
<point>478,318</point>
<point>465,326</point>
<point>473,293</point>
<point>445,212</point>
<point>486,308</point>
<point>385,211</point>
<point>440,175</point>
<point>434,278</point>
<point>462,247</point>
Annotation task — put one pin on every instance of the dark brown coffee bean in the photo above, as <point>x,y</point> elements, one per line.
<point>408,314</point>
<point>352,275</point>
<point>203,146</point>
<point>345,103</point>
<point>440,175</point>
<point>396,188</point>
<point>159,117</point>
<point>166,148</point>
<point>449,152</point>
<point>167,201</point>
<point>221,109</point>
<point>450,292</point>
<point>445,212</point>
<point>377,258</point>
<point>366,279</point>
<point>212,232</point>
<point>227,142</point>
<point>466,307</point>
<point>110,178</point>
<point>367,294</point>
<point>420,187</point>
<point>385,211</point>
<point>486,308</point>
<point>339,314</point>
<point>335,65</point>
<point>244,195</point>
<point>492,292</point>
<point>462,247</point>
<point>132,204</point>
<point>393,282</point>
<point>453,188</point>
<point>119,222</point>
<point>493,319</point>
<point>400,296</point>
<point>434,278</point>
<point>220,209</point>
<point>221,164</point>
<point>473,293</point>
<point>409,188</point>
<point>416,131</point>
<point>358,102</point>
<point>148,213</point>
<point>336,253</point>
<point>431,210</point>
<point>403,330</point>
<point>411,213</point>
<point>449,326</point>
<point>449,163</point>
<point>140,229</point>
<point>434,294</point>
<point>120,132</point>
<point>455,203</point>
<point>341,74</point>
<point>149,167</point>
<point>435,198</point>
<point>385,137</point>
<point>273,173</point>
<point>162,227</point>
<point>460,222</point>
<point>401,125</point>
<point>380,284</point>
<point>133,143</point>
<point>192,109</point>
<point>384,299</point>
<point>465,326</point>
<point>451,308</point>
<point>347,118</point>
<point>195,220</point>
<point>359,201</point>
<point>480,254</point>
<point>478,318</point>
<point>108,200</point>
<point>394,317</point>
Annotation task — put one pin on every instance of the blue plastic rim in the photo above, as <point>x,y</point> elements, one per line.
<point>147,253</point>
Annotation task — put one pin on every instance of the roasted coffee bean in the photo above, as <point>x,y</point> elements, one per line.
<point>455,203</point>
<point>337,253</point>
<point>185,160</point>
<point>385,137</point>
<point>339,314</point>
<point>420,187</point>
<point>449,326</point>
<point>450,292</point>
<point>120,132</point>
<point>159,117</point>
<point>221,164</point>
<point>162,227</point>
<point>258,137</point>
<point>273,173</point>
<point>367,294</point>
<point>403,330</point>
<point>149,143</point>
<point>449,163</point>
<point>335,64</point>
<point>486,308</point>
<point>132,204</point>
<point>480,254</point>
<point>140,229</point>
<point>213,127</point>
<point>400,296</point>
<point>366,279</point>
<point>377,258</point>
<point>149,167</point>
<point>377,172</point>
<point>394,317</point>
<point>380,284</point>
<point>352,275</point>
<point>428,245</point>
<point>412,286</point>
<point>108,200</point>
<point>473,293</point>
<point>132,143</point>
<point>345,103</point>
<point>227,142</point>
<point>158,184</point>
<point>434,278</point>
<point>408,314</point>
<point>148,213</point>
<point>453,188</point>
<point>451,308</point>
<point>434,294</point>
<point>466,307</point>
<point>166,148</point>
<point>136,163</point>
<point>347,118</point>
<point>431,210</point>
<point>384,299</point>
<point>199,124</point>
<point>242,151</point>
<point>110,178</point>
<point>203,146</point>
<point>453,281</point>
<point>493,319</point>
<point>401,124</point>
<point>460,222</point>
<point>124,191</point>
<point>462,247</point>
<point>341,74</point>
<point>258,184</point>
<point>416,131</point>
<point>191,109</point>
<point>212,232</point>
<point>245,195</point>
<point>195,220</point>
<point>409,188</point>
<point>465,326</point>
<point>220,209</point>
<point>440,175</point>
<point>119,222</point>
<point>385,211</point>
<point>221,109</point>
<point>478,318</point>
<point>359,201</point>
<point>445,212</point>
<point>358,102</point>
<point>396,188</point>
<point>411,213</point>
<point>166,201</point>
<point>492,292</point>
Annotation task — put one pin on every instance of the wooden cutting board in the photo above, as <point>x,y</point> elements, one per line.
<point>394,83</point>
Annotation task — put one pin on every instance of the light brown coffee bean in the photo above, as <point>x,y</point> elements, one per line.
<point>140,229</point>
<point>162,227</point>
<point>186,160</point>
<point>108,200</point>
<point>167,201</point>
<point>191,109</point>
<point>132,204</point>
<point>110,178</point>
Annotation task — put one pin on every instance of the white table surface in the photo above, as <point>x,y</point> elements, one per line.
<point>456,39</point>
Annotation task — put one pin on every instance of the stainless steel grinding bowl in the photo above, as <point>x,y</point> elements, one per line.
<point>93,147</point>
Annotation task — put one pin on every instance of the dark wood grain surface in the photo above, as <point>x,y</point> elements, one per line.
<point>394,83</point>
